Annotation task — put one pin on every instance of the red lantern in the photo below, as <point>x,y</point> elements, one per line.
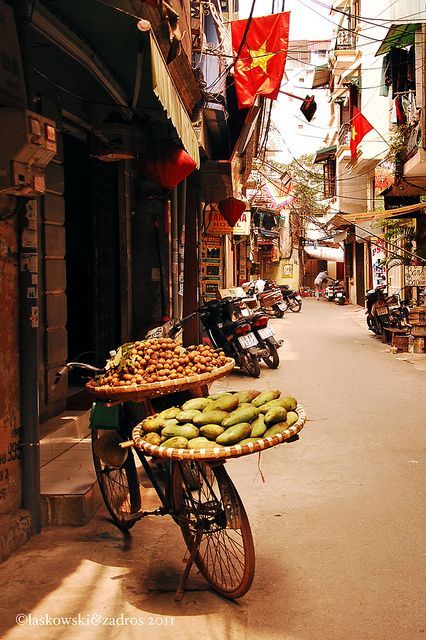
<point>232,209</point>
<point>167,166</point>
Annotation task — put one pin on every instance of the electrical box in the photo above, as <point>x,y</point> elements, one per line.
<point>28,145</point>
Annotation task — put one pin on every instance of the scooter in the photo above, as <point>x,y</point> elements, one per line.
<point>335,292</point>
<point>264,333</point>
<point>270,299</point>
<point>385,311</point>
<point>234,336</point>
<point>292,299</point>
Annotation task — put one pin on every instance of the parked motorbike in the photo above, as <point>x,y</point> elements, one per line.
<point>270,299</point>
<point>234,336</point>
<point>264,333</point>
<point>335,292</point>
<point>385,311</point>
<point>292,299</point>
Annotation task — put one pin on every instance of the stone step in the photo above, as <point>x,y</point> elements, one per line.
<point>69,492</point>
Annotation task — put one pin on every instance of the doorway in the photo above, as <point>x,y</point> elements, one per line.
<point>92,254</point>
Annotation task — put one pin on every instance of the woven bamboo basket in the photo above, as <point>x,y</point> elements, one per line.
<point>139,392</point>
<point>217,453</point>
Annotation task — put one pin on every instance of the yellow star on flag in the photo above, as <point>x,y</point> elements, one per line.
<point>354,133</point>
<point>260,57</point>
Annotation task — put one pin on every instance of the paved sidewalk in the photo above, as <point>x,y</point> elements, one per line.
<point>338,518</point>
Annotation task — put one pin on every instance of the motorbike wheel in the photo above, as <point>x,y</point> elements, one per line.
<point>251,364</point>
<point>373,326</point>
<point>279,313</point>
<point>273,360</point>
<point>294,305</point>
<point>341,301</point>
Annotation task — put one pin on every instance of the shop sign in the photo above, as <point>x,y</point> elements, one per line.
<point>217,224</point>
<point>287,270</point>
<point>378,264</point>
<point>242,227</point>
<point>415,276</point>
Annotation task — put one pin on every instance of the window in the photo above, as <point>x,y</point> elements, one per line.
<point>330,177</point>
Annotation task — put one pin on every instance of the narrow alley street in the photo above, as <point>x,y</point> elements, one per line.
<point>337,517</point>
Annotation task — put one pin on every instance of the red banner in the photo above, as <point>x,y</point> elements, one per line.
<point>260,66</point>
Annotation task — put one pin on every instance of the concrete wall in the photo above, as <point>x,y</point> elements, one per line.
<point>10,476</point>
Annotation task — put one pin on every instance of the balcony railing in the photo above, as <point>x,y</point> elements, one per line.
<point>345,39</point>
<point>345,134</point>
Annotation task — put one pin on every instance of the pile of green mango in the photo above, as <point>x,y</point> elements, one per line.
<point>221,420</point>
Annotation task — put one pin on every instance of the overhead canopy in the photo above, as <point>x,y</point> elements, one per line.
<point>399,35</point>
<point>323,252</point>
<point>324,154</point>
<point>381,215</point>
<point>109,44</point>
<point>321,76</point>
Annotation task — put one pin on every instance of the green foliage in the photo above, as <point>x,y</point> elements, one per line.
<point>307,184</point>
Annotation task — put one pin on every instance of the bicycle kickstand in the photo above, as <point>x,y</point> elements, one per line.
<point>181,586</point>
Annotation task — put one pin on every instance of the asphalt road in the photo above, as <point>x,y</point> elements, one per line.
<point>337,517</point>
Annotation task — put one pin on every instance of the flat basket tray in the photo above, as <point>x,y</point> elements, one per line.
<point>138,392</point>
<point>235,451</point>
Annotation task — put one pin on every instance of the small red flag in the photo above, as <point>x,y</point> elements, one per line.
<point>359,127</point>
<point>260,66</point>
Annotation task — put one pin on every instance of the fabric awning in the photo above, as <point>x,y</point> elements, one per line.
<point>108,44</point>
<point>380,215</point>
<point>165,90</point>
<point>399,35</point>
<point>322,252</point>
<point>321,76</point>
<point>324,154</point>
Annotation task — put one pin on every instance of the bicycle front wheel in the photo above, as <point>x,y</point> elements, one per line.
<point>210,511</point>
<point>119,485</point>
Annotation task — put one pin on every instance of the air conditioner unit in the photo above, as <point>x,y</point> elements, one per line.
<point>28,145</point>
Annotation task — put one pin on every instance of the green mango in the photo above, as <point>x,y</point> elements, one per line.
<point>245,414</point>
<point>278,402</point>
<point>211,431</point>
<point>277,428</point>
<point>248,440</point>
<point>258,427</point>
<point>170,423</point>
<point>152,438</point>
<point>266,396</point>
<point>215,396</point>
<point>225,403</point>
<point>187,416</point>
<point>210,417</point>
<point>168,414</point>
<point>276,414</point>
<point>196,403</point>
<point>234,434</point>
<point>202,443</point>
<point>187,431</point>
<point>152,424</point>
<point>292,418</point>
<point>176,442</point>
<point>290,403</point>
<point>246,396</point>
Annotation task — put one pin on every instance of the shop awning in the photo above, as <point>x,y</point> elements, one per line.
<point>107,42</point>
<point>165,90</point>
<point>324,154</point>
<point>322,252</point>
<point>381,215</point>
<point>399,35</point>
<point>321,76</point>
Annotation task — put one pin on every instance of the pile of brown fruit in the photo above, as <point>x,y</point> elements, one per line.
<point>158,360</point>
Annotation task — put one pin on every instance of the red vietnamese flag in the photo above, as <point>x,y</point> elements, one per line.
<point>359,127</point>
<point>260,66</point>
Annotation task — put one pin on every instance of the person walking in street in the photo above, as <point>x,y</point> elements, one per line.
<point>320,283</point>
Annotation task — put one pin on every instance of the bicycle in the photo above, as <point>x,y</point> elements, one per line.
<point>199,496</point>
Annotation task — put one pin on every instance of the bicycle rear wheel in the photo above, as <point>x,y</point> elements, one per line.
<point>214,511</point>
<point>119,486</point>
